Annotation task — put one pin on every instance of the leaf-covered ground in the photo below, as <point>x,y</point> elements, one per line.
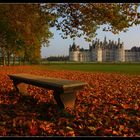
<point>108,106</point>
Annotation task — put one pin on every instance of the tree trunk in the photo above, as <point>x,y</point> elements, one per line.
<point>2,61</point>
<point>3,57</point>
<point>24,61</point>
<point>19,60</point>
<point>8,59</point>
<point>13,60</point>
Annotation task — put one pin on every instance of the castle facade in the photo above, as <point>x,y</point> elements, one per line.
<point>104,52</point>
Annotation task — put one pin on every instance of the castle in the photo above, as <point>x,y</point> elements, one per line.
<point>104,52</point>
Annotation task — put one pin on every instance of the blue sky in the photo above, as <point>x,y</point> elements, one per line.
<point>59,46</point>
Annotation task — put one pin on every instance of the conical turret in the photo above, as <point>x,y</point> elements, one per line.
<point>93,42</point>
<point>74,42</point>
<point>105,40</point>
<point>118,40</point>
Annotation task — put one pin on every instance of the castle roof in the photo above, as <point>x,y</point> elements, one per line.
<point>73,45</point>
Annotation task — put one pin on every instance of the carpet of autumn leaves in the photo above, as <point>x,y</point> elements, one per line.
<point>108,106</point>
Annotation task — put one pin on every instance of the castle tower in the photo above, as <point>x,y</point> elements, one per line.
<point>112,42</point>
<point>98,41</point>
<point>121,52</point>
<point>99,53</point>
<point>74,52</point>
<point>119,41</point>
<point>93,42</point>
<point>105,39</point>
<point>74,42</point>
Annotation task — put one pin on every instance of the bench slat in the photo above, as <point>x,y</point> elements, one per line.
<point>48,82</point>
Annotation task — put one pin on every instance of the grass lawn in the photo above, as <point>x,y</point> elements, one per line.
<point>127,68</point>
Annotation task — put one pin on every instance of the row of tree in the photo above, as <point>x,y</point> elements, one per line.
<point>57,58</point>
<point>24,28</point>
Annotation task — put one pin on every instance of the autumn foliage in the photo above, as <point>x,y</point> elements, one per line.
<point>24,28</point>
<point>108,106</point>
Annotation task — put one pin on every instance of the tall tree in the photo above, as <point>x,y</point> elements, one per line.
<point>30,23</point>
<point>7,39</point>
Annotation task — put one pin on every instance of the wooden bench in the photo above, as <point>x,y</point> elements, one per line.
<point>64,90</point>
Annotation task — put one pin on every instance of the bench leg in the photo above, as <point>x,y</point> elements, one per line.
<point>15,85</point>
<point>58,99</point>
<point>65,100</point>
<point>69,99</point>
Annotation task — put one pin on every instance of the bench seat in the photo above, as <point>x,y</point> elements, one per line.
<point>64,90</point>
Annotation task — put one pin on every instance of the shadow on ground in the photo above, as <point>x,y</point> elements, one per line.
<point>27,106</point>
